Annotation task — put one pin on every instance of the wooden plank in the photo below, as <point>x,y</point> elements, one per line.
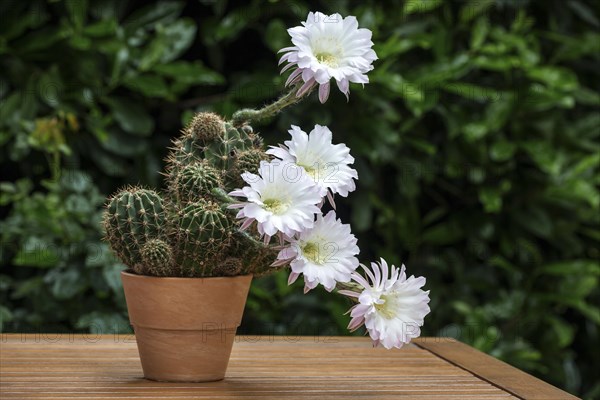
<point>261,367</point>
<point>492,370</point>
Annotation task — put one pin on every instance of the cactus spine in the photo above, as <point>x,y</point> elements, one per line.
<point>188,231</point>
<point>133,217</point>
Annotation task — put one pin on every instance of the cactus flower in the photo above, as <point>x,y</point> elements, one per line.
<point>325,254</point>
<point>281,198</point>
<point>326,163</point>
<point>391,306</point>
<point>325,47</point>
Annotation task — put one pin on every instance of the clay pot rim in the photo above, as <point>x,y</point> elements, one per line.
<point>128,272</point>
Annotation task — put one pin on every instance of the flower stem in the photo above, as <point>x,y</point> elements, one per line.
<point>248,115</point>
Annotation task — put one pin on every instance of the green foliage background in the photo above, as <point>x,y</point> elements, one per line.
<point>477,146</point>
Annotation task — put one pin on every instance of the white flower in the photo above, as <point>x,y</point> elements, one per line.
<point>326,163</point>
<point>324,254</point>
<point>325,47</point>
<point>281,199</point>
<point>392,307</point>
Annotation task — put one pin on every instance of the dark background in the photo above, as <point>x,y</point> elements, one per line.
<point>476,144</point>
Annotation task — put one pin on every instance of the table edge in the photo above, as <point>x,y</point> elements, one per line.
<point>492,370</point>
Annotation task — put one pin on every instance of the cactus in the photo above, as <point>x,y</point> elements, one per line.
<point>202,235</point>
<point>157,257</point>
<point>206,127</point>
<point>193,179</point>
<point>133,217</point>
<point>191,233</point>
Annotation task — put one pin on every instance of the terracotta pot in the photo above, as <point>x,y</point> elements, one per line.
<point>185,327</point>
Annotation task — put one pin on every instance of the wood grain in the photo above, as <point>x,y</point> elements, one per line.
<point>265,367</point>
<point>492,370</point>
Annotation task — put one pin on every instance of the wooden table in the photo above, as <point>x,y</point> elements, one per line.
<point>50,366</point>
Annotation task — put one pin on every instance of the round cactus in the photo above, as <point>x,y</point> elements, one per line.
<point>206,127</point>
<point>195,181</point>
<point>157,257</point>
<point>133,217</point>
<point>203,234</point>
<point>223,153</point>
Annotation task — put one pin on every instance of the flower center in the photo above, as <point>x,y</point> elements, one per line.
<point>386,309</point>
<point>275,206</point>
<point>328,59</point>
<point>316,170</point>
<point>313,252</point>
<point>311,171</point>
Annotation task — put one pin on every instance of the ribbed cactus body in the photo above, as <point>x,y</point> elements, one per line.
<point>133,217</point>
<point>203,234</point>
<point>157,257</point>
<point>205,128</point>
<point>194,180</point>
<point>191,233</point>
<point>230,266</point>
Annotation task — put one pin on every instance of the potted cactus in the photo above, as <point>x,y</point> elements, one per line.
<point>190,264</point>
<point>232,210</point>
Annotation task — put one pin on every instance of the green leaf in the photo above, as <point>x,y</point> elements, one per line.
<point>37,252</point>
<point>112,276</point>
<point>77,10</point>
<point>170,42</point>
<point>584,12</point>
<point>586,164</point>
<point>473,8</point>
<point>587,96</point>
<point>110,164</point>
<point>396,45</point>
<point>480,32</point>
<point>231,25</point>
<point>161,12</point>
<point>422,145</point>
<point>19,17</point>
<point>444,233</point>
<point>5,317</point>
<point>76,181</point>
<point>420,6</point>
<point>51,88</point>
<point>120,59</point>
<point>474,131</point>
<point>64,284</point>
<point>122,144</point>
<point>189,73</point>
<point>9,107</point>
<point>149,85</point>
<point>131,116</point>
<point>502,150</point>
<point>491,199</point>
<point>535,220</point>
<point>572,267</point>
<point>416,99</point>
<point>474,92</point>
<point>546,156</point>
<point>276,35</point>
<point>462,308</point>
<point>498,113</point>
<point>590,311</point>
<point>102,28</point>
<point>39,40</point>
<point>555,77</point>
